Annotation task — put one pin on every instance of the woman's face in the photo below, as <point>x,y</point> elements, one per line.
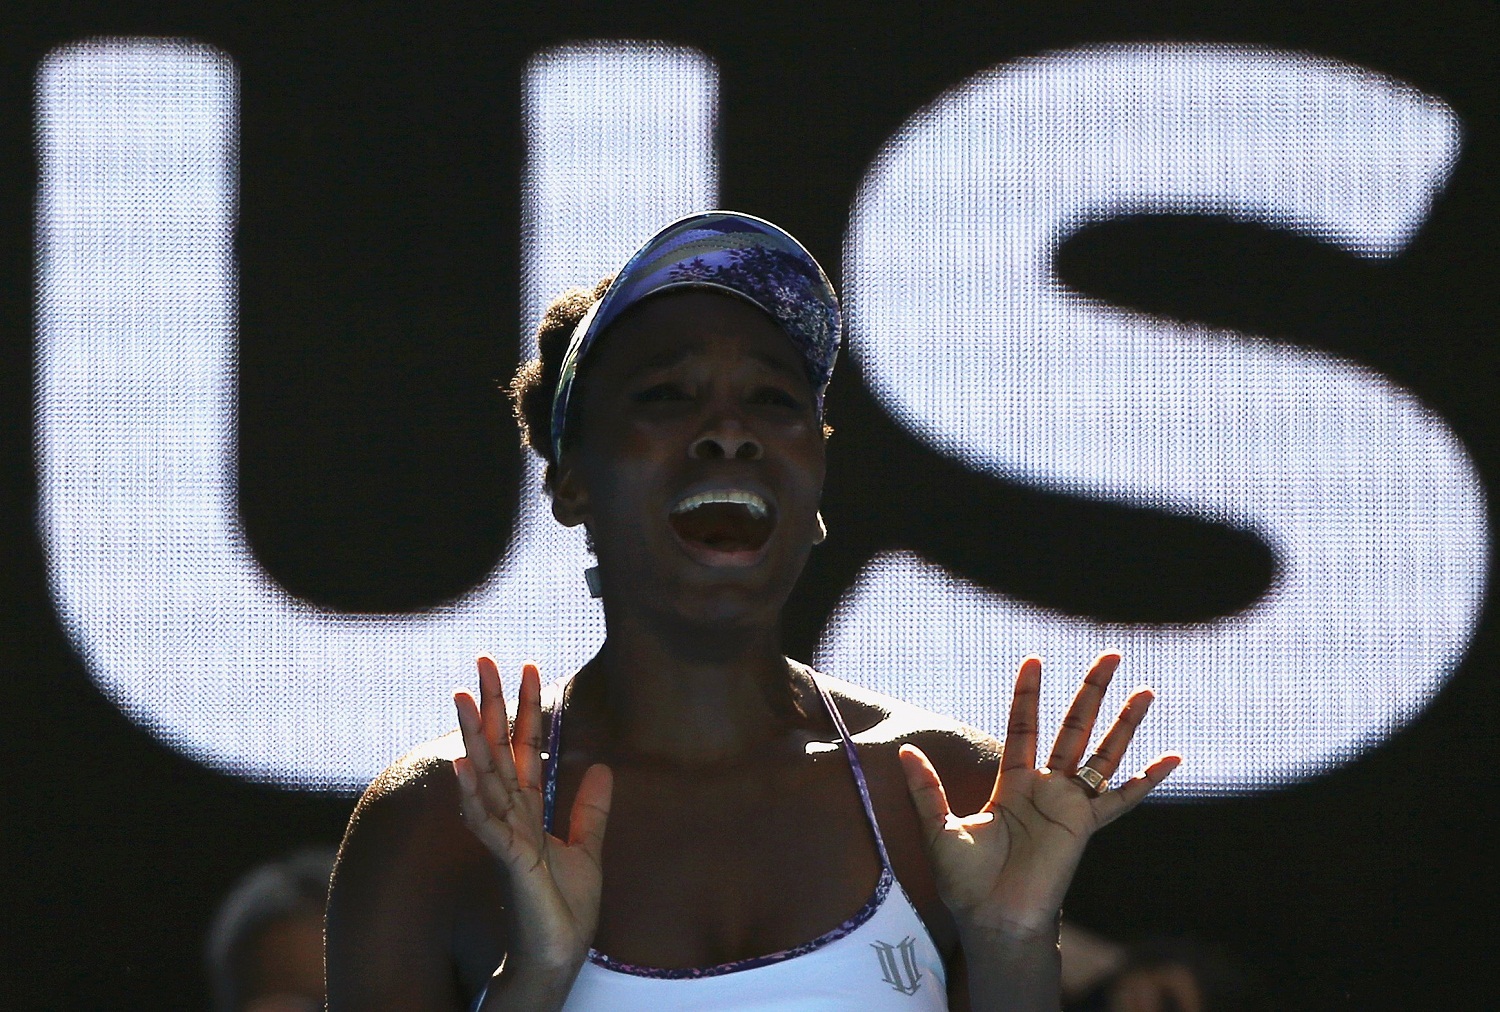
<point>697,460</point>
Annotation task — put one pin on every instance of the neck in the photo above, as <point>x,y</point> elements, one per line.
<point>691,696</point>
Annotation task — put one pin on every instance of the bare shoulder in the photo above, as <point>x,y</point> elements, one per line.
<point>413,793</point>
<point>965,757</point>
<point>407,832</point>
<point>875,718</point>
<point>404,822</point>
<point>402,873</point>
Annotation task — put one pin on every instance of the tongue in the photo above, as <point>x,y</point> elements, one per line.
<point>722,526</point>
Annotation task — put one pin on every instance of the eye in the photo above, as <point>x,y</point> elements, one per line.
<point>661,393</point>
<point>776,396</point>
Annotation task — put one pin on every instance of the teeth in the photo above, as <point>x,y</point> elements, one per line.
<point>754,503</point>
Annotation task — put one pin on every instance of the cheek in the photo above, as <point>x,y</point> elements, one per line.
<point>624,483</point>
<point>803,484</point>
<point>811,457</point>
<point>616,431</point>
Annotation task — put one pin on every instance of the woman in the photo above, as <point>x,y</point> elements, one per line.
<point>741,832</point>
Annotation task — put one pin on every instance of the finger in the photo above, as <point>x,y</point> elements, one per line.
<point>495,720</point>
<point>527,743</point>
<point>590,812</point>
<point>471,727</point>
<point>1112,804</point>
<point>1106,758</point>
<point>496,727</point>
<point>926,789</point>
<point>1020,732</point>
<point>492,832</point>
<point>492,793</point>
<point>1078,725</point>
<point>470,803</point>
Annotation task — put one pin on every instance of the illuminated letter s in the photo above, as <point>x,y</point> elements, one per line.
<point>965,333</point>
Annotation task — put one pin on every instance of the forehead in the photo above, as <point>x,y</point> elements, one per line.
<point>684,323</point>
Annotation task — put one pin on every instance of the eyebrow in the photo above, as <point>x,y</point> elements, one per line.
<point>777,365</point>
<point>661,361</point>
<point>669,358</point>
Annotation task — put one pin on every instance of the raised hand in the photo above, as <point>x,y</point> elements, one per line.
<point>1007,867</point>
<point>554,883</point>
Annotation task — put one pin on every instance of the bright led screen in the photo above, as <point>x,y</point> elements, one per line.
<point>148,559</point>
<point>957,321</point>
<point>1369,502</point>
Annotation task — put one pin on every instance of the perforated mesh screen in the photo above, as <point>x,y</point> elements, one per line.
<point>136,408</point>
<point>960,327</point>
<point>1368,500</point>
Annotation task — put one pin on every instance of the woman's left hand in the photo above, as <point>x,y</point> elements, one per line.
<point>1007,867</point>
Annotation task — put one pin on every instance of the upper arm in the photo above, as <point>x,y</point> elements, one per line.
<point>391,904</point>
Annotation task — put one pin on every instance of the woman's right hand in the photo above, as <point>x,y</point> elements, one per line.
<point>554,884</point>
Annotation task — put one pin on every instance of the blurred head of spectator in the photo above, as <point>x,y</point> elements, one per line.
<point>265,950</point>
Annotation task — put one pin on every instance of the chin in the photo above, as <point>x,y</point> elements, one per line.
<point>731,596</point>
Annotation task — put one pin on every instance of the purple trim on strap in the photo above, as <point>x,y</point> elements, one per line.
<point>859,917</point>
<point>549,764</point>
<point>859,774</point>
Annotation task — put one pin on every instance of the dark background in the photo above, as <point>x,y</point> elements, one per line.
<point>379,255</point>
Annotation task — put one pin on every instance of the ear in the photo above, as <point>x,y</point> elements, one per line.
<point>570,500</point>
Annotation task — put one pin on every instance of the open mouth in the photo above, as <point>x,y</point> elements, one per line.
<point>723,524</point>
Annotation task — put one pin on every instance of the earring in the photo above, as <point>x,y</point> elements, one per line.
<point>594,580</point>
<point>822,530</point>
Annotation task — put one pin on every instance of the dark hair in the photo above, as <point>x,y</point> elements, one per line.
<point>532,386</point>
<point>292,887</point>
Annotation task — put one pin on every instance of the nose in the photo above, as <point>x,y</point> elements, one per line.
<point>727,440</point>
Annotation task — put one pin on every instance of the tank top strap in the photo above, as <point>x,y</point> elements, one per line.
<point>859,770</point>
<point>549,758</point>
<point>554,746</point>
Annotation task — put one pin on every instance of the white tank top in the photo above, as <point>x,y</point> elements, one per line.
<point>881,958</point>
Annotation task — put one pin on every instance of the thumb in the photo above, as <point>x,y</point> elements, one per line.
<point>926,789</point>
<point>591,811</point>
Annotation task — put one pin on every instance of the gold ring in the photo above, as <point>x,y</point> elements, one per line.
<point>1096,782</point>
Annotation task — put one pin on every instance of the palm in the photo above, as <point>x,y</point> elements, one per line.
<point>563,881</point>
<point>555,883</point>
<point>1009,864</point>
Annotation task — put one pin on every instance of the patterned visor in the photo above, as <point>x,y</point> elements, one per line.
<point>740,254</point>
